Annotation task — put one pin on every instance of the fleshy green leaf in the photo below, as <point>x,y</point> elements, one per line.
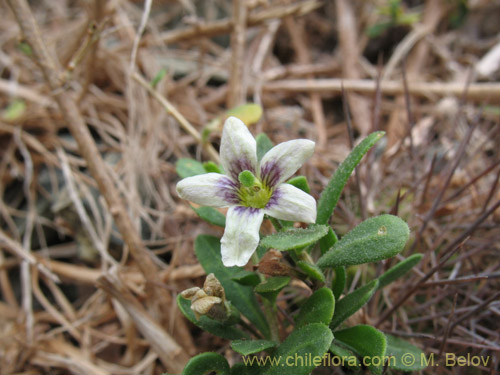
<point>242,368</point>
<point>352,302</point>
<point>368,342</point>
<point>338,284</point>
<point>246,278</point>
<point>294,238</point>
<point>328,241</point>
<point>207,363</point>
<point>374,239</point>
<point>264,144</point>
<point>272,286</point>
<point>310,341</point>
<point>247,347</point>
<point>399,270</point>
<point>318,308</point>
<point>211,215</point>
<point>311,270</point>
<point>300,182</point>
<point>404,356</point>
<point>189,167</point>
<point>207,249</point>
<point>347,358</point>
<point>331,194</point>
<point>210,325</point>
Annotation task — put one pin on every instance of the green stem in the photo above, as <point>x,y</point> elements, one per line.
<point>271,314</point>
<point>276,224</point>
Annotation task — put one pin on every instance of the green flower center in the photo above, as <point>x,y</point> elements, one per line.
<point>252,192</point>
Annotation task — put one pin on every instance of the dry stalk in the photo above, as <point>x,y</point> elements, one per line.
<point>297,32</point>
<point>225,26</point>
<point>17,249</point>
<point>237,88</point>
<point>170,108</point>
<point>348,40</point>
<point>476,91</point>
<point>170,353</point>
<point>81,134</point>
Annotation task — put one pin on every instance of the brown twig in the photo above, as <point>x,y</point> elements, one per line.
<point>348,40</point>
<point>226,25</point>
<point>81,134</point>
<point>170,353</point>
<point>476,91</point>
<point>237,88</point>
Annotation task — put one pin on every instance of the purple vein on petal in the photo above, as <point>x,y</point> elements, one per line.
<point>240,165</point>
<point>273,201</point>
<point>270,173</point>
<point>242,210</point>
<point>227,189</point>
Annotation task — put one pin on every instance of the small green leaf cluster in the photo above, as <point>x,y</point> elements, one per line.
<point>391,15</point>
<point>318,326</point>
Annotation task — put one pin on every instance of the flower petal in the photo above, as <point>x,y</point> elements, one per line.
<point>291,203</point>
<point>283,160</point>
<point>238,149</point>
<point>241,235</point>
<point>210,189</point>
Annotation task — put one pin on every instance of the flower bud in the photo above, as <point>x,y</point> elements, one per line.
<point>211,301</point>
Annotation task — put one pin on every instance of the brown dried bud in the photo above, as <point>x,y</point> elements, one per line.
<point>209,301</point>
<point>273,264</point>
<point>202,306</point>
<point>213,287</point>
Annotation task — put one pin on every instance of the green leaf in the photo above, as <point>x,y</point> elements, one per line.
<point>249,113</point>
<point>211,167</point>
<point>211,215</point>
<point>207,363</point>
<point>300,182</point>
<point>318,308</point>
<point>338,284</point>
<point>294,238</point>
<point>311,270</point>
<point>347,358</point>
<point>242,368</point>
<point>158,77</point>
<point>374,239</point>
<point>304,345</point>
<point>399,270</point>
<point>247,347</point>
<point>331,194</point>
<point>245,277</point>
<point>328,241</point>
<point>264,144</point>
<point>352,303</point>
<point>189,167</point>
<point>212,326</point>
<point>368,342</point>
<point>272,286</point>
<point>25,48</point>
<point>207,249</point>
<point>14,110</point>
<point>404,356</point>
<point>378,29</point>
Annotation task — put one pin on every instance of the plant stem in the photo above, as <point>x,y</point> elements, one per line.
<point>271,314</point>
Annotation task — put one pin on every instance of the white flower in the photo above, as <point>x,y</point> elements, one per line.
<point>250,196</point>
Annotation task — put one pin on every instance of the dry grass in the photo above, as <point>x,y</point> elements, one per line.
<point>94,243</point>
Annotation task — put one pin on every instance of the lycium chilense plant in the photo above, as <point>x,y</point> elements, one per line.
<point>255,182</point>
